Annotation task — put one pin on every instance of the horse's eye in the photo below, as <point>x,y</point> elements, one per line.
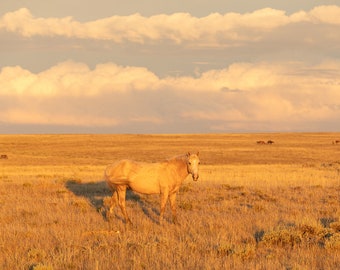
<point>189,163</point>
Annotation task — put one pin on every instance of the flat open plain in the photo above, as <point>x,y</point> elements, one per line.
<point>255,206</point>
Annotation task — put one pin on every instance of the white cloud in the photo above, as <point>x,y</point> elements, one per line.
<point>325,14</point>
<point>212,30</point>
<point>70,93</point>
<point>75,79</point>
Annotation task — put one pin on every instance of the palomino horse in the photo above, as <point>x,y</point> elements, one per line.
<point>164,178</point>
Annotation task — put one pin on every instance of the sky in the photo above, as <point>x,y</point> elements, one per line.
<point>157,66</point>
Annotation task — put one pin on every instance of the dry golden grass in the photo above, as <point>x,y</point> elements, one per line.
<point>254,206</point>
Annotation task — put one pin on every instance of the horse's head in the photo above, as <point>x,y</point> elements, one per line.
<point>192,165</point>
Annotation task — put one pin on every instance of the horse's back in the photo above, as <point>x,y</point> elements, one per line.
<point>139,176</point>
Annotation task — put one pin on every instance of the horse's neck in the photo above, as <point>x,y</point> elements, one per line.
<point>181,163</point>
<point>179,160</point>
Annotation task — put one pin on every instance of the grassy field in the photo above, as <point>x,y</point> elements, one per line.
<point>254,207</point>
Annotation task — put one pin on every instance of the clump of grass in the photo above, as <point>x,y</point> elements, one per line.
<point>282,238</point>
<point>305,235</point>
<point>313,235</point>
<point>335,226</point>
<point>333,242</point>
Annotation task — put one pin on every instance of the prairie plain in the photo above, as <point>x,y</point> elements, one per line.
<point>255,206</point>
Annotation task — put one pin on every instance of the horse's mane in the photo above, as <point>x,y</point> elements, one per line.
<point>177,158</point>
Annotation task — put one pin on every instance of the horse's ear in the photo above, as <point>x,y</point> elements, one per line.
<point>188,154</point>
<point>198,153</point>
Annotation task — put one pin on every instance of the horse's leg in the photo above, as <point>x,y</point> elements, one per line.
<point>113,203</point>
<point>164,198</point>
<point>172,198</point>
<point>121,191</point>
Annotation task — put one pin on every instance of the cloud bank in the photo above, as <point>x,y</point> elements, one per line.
<point>243,97</point>
<point>180,28</point>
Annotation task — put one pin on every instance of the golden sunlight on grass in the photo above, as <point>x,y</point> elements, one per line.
<point>254,206</point>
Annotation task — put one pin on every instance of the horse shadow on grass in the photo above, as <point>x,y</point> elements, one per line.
<point>98,195</point>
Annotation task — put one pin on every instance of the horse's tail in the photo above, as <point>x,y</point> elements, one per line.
<point>107,178</point>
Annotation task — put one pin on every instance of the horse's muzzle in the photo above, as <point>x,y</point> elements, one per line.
<point>195,177</point>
